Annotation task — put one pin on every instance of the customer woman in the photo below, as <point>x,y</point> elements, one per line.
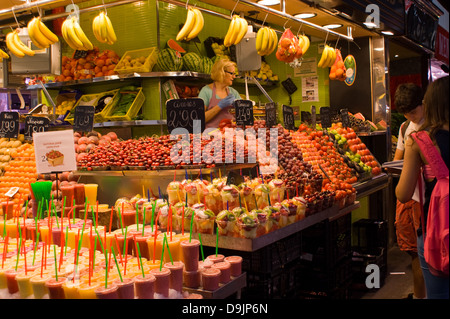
<point>219,95</point>
<point>436,101</point>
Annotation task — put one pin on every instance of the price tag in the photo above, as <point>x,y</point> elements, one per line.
<point>288,117</point>
<point>325,117</point>
<point>9,124</point>
<point>34,124</point>
<point>344,118</point>
<point>243,112</point>
<point>181,113</point>
<point>79,54</point>
<point>12,191</point>
<point>84,118</point>
<point>271,114</point>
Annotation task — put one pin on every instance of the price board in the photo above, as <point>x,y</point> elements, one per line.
<point>9,124</point>
<point>181,113</point>
<point>288,117</point>
<point>313,116</point>
<point>84,118</point>
<point>271,114</point>
<point>325,117</point>
<point>243,112</point>
<point>234,178</point>
<point>344,118</point>
<point>35,124</point>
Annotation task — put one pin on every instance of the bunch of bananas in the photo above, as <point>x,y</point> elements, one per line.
<point>16,46</point>
<point>328,57</point>
<point>3,55</point>
<point>74,35</point>
<point>304,43</point>
<point>266,41</point>
<point>103,29</point>
<point>193,25</point>
<point>236,31</point>
<point>40,35</point>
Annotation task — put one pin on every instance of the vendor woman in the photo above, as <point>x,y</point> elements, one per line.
<point>219,95</point>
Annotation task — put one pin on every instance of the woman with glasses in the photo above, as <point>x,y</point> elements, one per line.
<point>219,95</point>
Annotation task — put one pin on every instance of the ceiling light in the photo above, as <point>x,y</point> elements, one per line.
<point>333,26</point>
<point>306,15</point>
<point>396,56</point>
<point>268,2</point>
<point>387,32</point>
<point>370,25</point>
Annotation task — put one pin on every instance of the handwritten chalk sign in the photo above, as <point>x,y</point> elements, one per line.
<point>271,114</point>
<point>325,117</point>
<point>288,117</point>
<point>84,118</point>
<point>181,113</point>
<point>34,124</point>
<point>9,124</point>
<point>313,116</point>
<point>243,112</point>
<point>344,118</point>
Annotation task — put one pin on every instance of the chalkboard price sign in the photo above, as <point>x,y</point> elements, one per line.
<point>344,118</point>
<point>243,112</point>
<point>288,117</point>
<point>325,117</point>
<point>271,114</point>
<point>9,124</point>
<point>34,124</point>
<point>84,118</point>
<point>313,116</point>
<point>234,178</point>
<point>181,113</point>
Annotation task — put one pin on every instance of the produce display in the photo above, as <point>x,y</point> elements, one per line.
<point>74,35</point>
<point>169,60</point>
<point>125,99</point>
<point>291,48</point>
<point>265,73</point>
<point>192,26</point>
<point>84,143</point>
<point>236,31</point>
<point>338,70</point>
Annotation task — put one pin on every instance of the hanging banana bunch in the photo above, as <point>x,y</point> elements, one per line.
<point>193,25</point>
<point>305,43</point>
<point>3,55</point>
<point>74,35</point>
<point>236,31</point>
<point>103,29</point>
<point>16,46</point>
<point>40,35</point>
<point>328,57</point>
<point>266,41</point>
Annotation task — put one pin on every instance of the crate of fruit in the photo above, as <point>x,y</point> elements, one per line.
<point>139,61</point>
<point>102,102</point>
<point>126,107</point>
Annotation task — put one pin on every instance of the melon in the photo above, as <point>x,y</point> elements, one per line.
<point>359,116</point>
<point>373,127</point>
<point>193,62</point>
<point>207,65</point>
<point>169,60</point>
<point>382,125</point>
<point>171,43</point>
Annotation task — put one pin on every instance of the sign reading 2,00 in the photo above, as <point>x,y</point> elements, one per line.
<point>9,124</point>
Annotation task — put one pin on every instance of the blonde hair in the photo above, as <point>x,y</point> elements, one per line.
<point>218,69</point>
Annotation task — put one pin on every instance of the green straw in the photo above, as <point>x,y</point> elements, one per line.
<point>168,249</point>
<point>140,259</point>
<point>143,223</point>
<point>217,239</point>
<point>73,211</point>
<point>190,230</point>
<point>35,247</point>
<point>201,246</point>
<point>106,269</point>
<point>137,217</point>
<point>162,257</point>
<point>125,241</point>
<point>56,266</point>
<point>20,244</point>
<point>65,243</point>
<point>153,213</point>
<point>117,264</point>
<point>120,220</point>
<point>101,244</point>
<point>56,216</point>
<point>93,255</point>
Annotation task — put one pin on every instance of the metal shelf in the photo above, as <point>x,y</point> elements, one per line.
<point>130,123</point>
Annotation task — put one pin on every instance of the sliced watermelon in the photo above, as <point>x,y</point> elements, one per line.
<point>382,125</point>
<point>171,43</point>
<point>359,116</point>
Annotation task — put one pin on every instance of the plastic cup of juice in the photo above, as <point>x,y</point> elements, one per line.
<point>162,282</point>
<point>23,282</point>
<point>71,289</point>
<point>144,286</point>
<point>176,275</point>
<point>190,254</point>
<point>109,292</point>
<point>210,278</point>
<point>125,288</point>
<point>90,191</point>
<point>87,291</point>
<point>236,265</point>
<point>40,290</point>
<point>55,289</point>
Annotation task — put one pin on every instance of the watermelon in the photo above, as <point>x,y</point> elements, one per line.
<point>171,43</point>
<point>193,62</point>
<point>207,65</point>
<point>169,60</point>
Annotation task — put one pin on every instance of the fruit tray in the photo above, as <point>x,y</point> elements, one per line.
<point>94,99</point>
<point>132,111</point>
<point>144,66</point>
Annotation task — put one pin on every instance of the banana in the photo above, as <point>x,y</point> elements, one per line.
<point>36,37</point>
<point>324,57</point>
<point>259,36</point>
<point>242,30</point>
<point>275,41</point>
<point>270,41</point>
<point>87,45</point>
<point>235,31</point>
<point>12,46</point>
<point>227,41</point>
<point>3,55</point>
<point>265,41</point>
<point>332,58</point>
<point>70,36</point>
<point>188,25</point>
<point>20,45</point>
<point>111,35</point>
<point>65,35</point>
<point>102,27</point>
<point>306,44</point>
<point>53,38</point>
<point>198,26</point>
<point>327,62</point>
<point>96,29</point>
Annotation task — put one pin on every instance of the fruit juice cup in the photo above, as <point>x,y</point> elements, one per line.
<point>277,190</point>
<point>121,242</point>
<point>71,289</point>
<point>90,191</point>
<point>159,246</point>
<point>174,246</point>
<point>230,197</point>
<point>11,281</point>
<point>79,194</point>
<point>44,233</point>
<point>125,288</point>
<point>55,289</point>
<point>262,194</point>
<point>23,282</point>
<point>8,209</point>
<point>203,264</point>
<point>40,290</point>
<point>3,283</point>
<point>110,241</point>
<point>181,237</point>
<point>225,271</point>
<point>109,292</point>
<point>162,282</point>
<point>176,275</point>
<point>174,192</point>
<point>236,265</point>
<point>213,198</point>
<point>210,278</point>
<point>144,286</point>
<point>11,227</point>
<point>30,232</point>
<point>129,218</point>
<point>151,265</point>
<point>87,291</point>
<point>68,192</point>
<point>141,241</point>
<point>190,254</point>
<point>216,258</point>
<point>191,279</point>
<point>56,235</point>
<point>190,192</point>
